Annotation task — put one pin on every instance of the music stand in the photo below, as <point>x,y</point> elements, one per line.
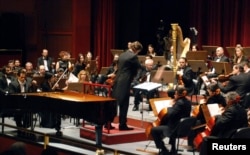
<point>166,77</point>
<point>230,51</point>
<point>146,87</point>
<point>210,49</point>
<point>246,51</point>
<point>198,55</point>
<point>222,67</point>
<point>198,65</point>
<point>38,79</point>
<point>141,59</point>
<point>116,51</point>
<point>160,60</point>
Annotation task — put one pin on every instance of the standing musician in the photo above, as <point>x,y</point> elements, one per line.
<point>233,117</point>
<point>143,75</point>
<point>184,76</point>
<point>180,109</point>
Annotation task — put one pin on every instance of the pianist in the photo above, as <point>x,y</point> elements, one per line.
<point>22,84</point>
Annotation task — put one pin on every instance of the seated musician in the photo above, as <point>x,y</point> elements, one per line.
<point>239,55</point>
<point>5,79</point>
<point>238,81</point>
<point>214,97</point>
<point>184,76</point>
<point>233,117</point>
<point>219,57</point>
<point>22,84</point>
<point>143,75</point>
<point>110,74</point>
<point>180,109</point>
<point>48,119</point>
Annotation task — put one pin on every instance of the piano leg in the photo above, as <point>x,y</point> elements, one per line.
<point>58,125</point>
<point>98,133</point>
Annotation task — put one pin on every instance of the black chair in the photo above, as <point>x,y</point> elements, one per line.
<point>242,133</point>
<point>183,129</point>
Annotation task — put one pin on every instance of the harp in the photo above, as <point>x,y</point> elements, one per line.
<point>181,47</point>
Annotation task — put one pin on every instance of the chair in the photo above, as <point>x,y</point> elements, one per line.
<point>243,133</point>
<point>183,129</point>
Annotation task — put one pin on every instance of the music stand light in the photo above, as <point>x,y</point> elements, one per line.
<point>198,55</point>
<point>198,65</point>
<point>116,51</point>
<point>222,67</point>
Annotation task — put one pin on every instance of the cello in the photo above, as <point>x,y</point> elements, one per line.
<point>199,137</point>
<point>157,122</point>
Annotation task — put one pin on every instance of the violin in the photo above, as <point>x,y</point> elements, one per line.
<point>224,78</point>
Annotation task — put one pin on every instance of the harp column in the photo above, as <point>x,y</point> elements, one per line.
<point>174,44</point>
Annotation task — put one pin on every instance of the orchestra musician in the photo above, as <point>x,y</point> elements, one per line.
<point>239,82</point>
<point>143,75</point>
<point>214,97</point>
<point>233,117</point>
<point>239,56</point>
<point>180,109</point>
<point>128,65</point>
<point>184,76</point>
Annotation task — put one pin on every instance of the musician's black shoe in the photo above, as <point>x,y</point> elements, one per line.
<point>164,151</point>
<point>109,127</point>
<point>135,108</point>
<point>125,127</point>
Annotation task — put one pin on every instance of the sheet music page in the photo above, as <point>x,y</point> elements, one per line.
<point>148,86</point>
<point>205,80</point>
<point>214,109</point>
<point>162,104</point>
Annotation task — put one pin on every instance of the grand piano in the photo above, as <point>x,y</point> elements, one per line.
<point>95,109</point>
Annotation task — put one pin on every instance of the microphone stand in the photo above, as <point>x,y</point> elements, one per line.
<point>54,86</point>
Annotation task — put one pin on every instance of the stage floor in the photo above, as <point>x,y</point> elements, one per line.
<point>69,129</point>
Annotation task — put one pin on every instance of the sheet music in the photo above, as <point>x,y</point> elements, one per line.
<point>148,86</point>
<point>205,80</point>
<point>72,78</point>
<point>162,104</point>
<point>214,109</point>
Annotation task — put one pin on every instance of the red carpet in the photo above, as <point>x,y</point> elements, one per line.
<point>115,136</point>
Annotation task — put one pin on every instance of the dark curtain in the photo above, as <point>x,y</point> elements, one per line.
<point>103,30</point>
<point>221,22</point>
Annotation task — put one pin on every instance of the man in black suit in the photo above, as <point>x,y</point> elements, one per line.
<point>128,64</point>
<point>5,79</point>
<point>232,118</point>
<point>239,82</point>
<point>22,84</point>
<point>143,75</point>
<point>180,109</point>
<point>184,76</point>
<point>45,60</point>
